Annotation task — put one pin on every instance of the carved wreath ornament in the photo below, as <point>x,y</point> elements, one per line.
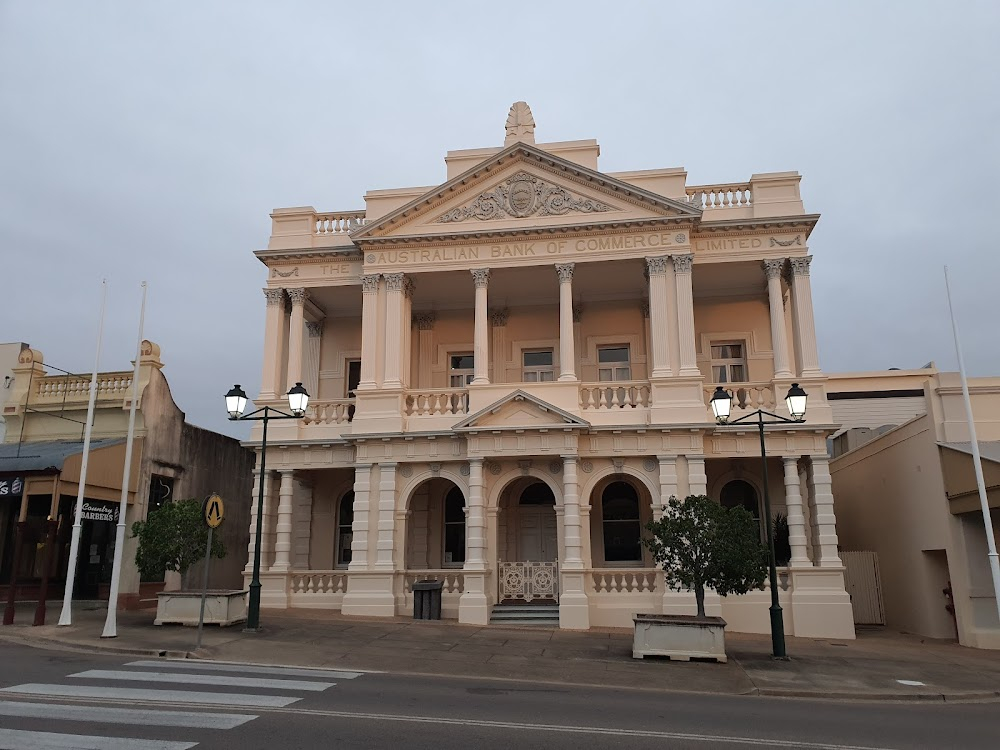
<point>520,196</point>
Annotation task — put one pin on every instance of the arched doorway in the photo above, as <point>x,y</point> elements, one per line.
<point>435,532</point>
<point>527,523</point>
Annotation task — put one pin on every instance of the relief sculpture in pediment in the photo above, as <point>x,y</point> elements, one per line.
<point>521,196</point>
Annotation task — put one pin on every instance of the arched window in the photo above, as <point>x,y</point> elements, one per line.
<point>741,494</point>
<point>537,493</point>
<point>454,527</point>
<point>622,527</point>
<point>345,534</point>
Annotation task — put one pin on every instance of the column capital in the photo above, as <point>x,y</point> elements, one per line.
<point>369,283</point>
<point>394,281</point>
<point>644,308</point>
<point>773,268</point>
<point>425,320</point>
<point>274,296</point>
<point>682,263</point>
<point>498,318</point>
<point>314,328</point>
<point>800,266</point>
<point>298,296</point>
<point>565,272</point>
<point>577,313</point>
<point>481,277</point>
<point>656,265</point>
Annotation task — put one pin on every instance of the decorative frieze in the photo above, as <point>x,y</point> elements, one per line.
<point>796,240</point>
<point>521,196</point>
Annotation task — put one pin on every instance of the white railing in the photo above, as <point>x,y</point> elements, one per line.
<point>339,222</point>
<point>736,195</point>
<point>747,397</point>
<point>624,581</point>
<point>319,582</point>
<point>528,581</point>
<point>337,411</point>
<point>453,581</point>
<point>621,395</point>
<point>429,403</point>
<point>77,387</point>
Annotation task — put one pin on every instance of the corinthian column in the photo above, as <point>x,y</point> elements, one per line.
<point>369,331</point>
<point>296,331</point>
<point>685,315</point>
<point>393,328</point>
<point>270,379</point>
<point>656,269</point>
<point>779,337</point>
<point>567,355</point>
<point>802,313</point>
<point>481,346</point>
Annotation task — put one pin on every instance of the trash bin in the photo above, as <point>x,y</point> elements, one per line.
<point>427,600</point>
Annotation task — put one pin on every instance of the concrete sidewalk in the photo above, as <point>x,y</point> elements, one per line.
<point>879,665</point>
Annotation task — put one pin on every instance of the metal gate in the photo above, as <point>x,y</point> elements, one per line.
<point>527,581</point>
<point>862,581</point>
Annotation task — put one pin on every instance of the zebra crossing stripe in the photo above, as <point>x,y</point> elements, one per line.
<point>131,716</point>
<point>187,678</point>
<point>146,694</point>
<point>18,739</point>
<point>206,666</point>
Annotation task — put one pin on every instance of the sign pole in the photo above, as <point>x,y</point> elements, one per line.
<point>204,586</point>
<point>213,511</point>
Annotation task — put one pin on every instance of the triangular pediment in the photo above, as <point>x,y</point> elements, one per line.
<point>520,410</point>
<point>523,187</point>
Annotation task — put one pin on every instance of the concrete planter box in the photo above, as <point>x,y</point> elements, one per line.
<point>182,607</point>
<point>680,637</point>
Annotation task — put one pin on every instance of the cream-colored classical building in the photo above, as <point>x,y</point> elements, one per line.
<point>510,373</point>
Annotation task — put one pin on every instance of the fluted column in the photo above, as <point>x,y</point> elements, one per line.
<point>656,269</point>
<point>802,314</point>
<point>668,484</point>
<point>393,328</point>
<point>283,538</point>
<point>567,353</point>
<point>296,332</point>
<point>274,363</point>
<point>793,511</point>
<point>821,512</point>
<point>779,337</point>
<point>475,540</point>
<point>425,347</point>
<point>481,346</point>
<point>498,324</point>
<point>362,505</point>
<point>406,366</point>
<point>386,516</point>
<point>314,340</point>
<point>369,331</point>
<point>685,315</point>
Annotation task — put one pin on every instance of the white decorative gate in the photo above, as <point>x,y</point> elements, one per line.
<point>527,581</point>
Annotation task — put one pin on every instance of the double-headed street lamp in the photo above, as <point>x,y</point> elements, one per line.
<point>795,400</point>
<point>236,404</point>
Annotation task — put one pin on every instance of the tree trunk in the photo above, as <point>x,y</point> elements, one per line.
<point>699,598</point>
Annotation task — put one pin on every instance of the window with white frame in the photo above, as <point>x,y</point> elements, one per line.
<point>613,363</point>
<point>461,369</point>
<point>729,362</point>
<point>537,366</point>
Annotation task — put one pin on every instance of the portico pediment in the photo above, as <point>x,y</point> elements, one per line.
<point>522,188</point>
<point>517,411</point>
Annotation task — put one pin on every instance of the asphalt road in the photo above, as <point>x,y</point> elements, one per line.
<point>60,699</point>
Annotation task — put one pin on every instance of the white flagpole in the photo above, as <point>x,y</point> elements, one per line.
<point>111,623</point>
<point>66,617</point>
<point>977,462</point>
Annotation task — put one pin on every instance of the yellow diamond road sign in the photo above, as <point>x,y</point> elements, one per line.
<point>215,511</point>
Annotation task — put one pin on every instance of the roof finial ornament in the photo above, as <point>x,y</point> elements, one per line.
<point>520,124</point>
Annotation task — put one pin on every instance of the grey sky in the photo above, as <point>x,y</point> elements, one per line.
<point>151,140</point>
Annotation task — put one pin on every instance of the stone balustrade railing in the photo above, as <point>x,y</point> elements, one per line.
<point>624,581</point>
<point>433,402</point>
<point>736,195</point>
<point>336,411</point>
<point>747,397</point>
<point>319,582</point>
<point>453,581</point>
<point>614,395</point>
<point>339,222</point>
<point>55,388</point>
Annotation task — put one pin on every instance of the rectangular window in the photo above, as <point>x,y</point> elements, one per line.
<point>461,370</point>
<point>353,377</point>
<point>729,364</point>
<point>613,363</point>
<point>537,366</point>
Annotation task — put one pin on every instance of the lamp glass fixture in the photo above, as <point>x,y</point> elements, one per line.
<point>236,402</point>
<point>795,400</point>
<point>722,405</point>
<point>298,399</point>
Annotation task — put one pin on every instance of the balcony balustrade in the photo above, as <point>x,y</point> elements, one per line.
<point>614,395</point>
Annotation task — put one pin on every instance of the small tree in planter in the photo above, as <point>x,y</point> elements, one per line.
<point>782,540</point>
<point>700,544</point>
<point>173,537</point>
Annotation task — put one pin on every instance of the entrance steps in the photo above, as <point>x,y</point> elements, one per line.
<point>545,615</point>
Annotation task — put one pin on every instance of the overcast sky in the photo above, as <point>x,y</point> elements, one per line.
<point>151,140</point>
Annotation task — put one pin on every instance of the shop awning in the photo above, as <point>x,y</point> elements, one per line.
<point>44,456</point>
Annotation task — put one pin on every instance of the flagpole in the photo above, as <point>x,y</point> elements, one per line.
<point>111,623</point>
<point>977,462</point>
<point>66,616</point>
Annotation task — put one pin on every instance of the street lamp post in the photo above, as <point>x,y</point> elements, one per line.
<point>795,400</point>
<point>236,404</point>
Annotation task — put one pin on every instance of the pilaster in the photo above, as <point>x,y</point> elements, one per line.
<point>283,540</point>
<point>473,606</point>
<point>796,520</point>
<point>574,607</point>
<point>425,347</point>
<point>369,332</point>
<point>386,517</point>
<point>685,315</point>
<point>498,324</point>
<point>658,323</point>
<point>802,313</point>
<point>274,364</point>
<point>668,484</point>
<point>823,518</point>
<point>314,339</point>
<point>779,336</point>
<point>393,329</point>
